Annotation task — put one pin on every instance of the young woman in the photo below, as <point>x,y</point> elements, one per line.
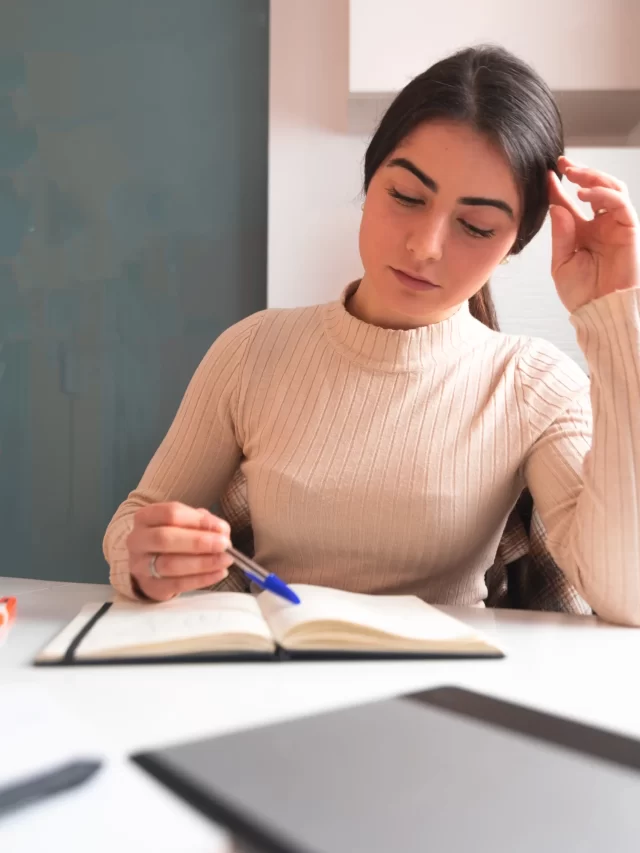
<point>386,436</point>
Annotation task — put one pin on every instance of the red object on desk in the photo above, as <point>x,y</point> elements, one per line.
<point>7,610</point>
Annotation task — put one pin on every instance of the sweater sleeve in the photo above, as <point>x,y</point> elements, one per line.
<point>583,466</point>
<point>201,450</point>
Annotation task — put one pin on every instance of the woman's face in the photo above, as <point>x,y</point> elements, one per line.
<point>444,208</point>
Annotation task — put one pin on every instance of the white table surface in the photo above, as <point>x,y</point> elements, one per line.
<point>575,666</point>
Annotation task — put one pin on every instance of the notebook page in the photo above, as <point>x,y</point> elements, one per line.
<point>56,648</point>
<point>401,616</point>
<point>130,624</point>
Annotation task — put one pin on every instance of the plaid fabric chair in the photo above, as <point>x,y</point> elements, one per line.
<point>524,576</point>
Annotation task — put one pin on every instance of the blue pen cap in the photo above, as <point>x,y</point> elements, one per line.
<point>278,587</point>
<point>273,584</point>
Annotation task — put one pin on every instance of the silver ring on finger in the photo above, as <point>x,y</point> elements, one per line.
<point>600,211</point>
<point>152,568</point>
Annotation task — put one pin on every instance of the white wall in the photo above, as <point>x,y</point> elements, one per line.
<point>315,176</point>
<point>314,166</point>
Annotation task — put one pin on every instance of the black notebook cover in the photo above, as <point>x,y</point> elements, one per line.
<point>327,783</point>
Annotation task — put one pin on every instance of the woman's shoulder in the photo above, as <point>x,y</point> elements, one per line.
<point>538,356</point>
<point>548,379</point>
<point>533,353</point>
<point>278,330</point>
<point>266,343</point>
<point>265,323</point>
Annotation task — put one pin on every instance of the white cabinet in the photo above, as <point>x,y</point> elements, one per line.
<point>588,51</point>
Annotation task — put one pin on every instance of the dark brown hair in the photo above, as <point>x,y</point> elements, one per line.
<point>502,98</point>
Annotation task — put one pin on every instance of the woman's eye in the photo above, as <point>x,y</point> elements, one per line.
<point>476,232</point>
<point>410,201</point>
<point>406,200</point>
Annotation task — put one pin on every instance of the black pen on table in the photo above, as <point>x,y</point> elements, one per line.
<point>62,778</point>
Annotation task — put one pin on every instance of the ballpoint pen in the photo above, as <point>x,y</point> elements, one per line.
<point>46,784</point>
<point>263,579</point>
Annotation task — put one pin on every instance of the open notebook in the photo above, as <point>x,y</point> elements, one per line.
<point>232,625</point>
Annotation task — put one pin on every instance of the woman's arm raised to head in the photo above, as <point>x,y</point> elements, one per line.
<point>583,468</point>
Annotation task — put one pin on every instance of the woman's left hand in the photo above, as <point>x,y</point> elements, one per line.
<point>597,256</point>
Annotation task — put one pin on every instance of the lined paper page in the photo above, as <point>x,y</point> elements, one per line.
<point>130,624</point>
<point>396,615</point>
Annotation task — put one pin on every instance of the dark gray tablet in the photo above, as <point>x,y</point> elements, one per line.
<point>446,770</point>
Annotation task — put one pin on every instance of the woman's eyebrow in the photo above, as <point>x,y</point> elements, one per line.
<point>473,201</point>
<point>479,201</point>
<point>403,163</point>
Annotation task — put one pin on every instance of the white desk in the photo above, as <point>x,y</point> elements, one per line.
<point>575,666</point>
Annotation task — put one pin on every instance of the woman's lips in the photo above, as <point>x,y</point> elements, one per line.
<point>413,283</point>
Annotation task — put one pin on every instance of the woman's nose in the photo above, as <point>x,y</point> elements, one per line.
<point>426,241</point>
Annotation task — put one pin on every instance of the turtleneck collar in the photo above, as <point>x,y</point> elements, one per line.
<point>399,350</point>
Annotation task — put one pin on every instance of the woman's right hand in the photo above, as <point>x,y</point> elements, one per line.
<point>189,545</point>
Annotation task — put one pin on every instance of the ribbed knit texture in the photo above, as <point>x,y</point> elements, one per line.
<point>387,461</point>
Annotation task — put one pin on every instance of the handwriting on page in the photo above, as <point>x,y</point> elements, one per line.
<point>147,626</point>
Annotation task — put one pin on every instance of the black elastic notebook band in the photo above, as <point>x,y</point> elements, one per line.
<point>82,633</point>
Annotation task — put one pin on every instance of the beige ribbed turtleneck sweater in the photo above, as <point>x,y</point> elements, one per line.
<point>387,461</point>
